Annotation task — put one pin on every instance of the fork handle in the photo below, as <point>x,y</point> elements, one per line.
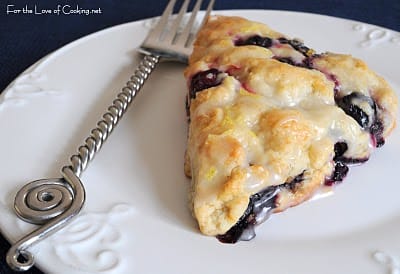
<point>37,211</point>
<point>114,113</point>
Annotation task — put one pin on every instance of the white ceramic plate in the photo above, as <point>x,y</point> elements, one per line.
<point>136,218</point>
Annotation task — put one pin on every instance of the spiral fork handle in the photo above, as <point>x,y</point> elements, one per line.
<point>18,257</point>
<point>114,113</point>
<point>54,202</point>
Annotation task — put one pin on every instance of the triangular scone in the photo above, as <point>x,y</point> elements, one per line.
<point>271,123</point>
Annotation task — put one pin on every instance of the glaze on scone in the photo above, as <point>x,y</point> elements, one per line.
<point>271,123</point>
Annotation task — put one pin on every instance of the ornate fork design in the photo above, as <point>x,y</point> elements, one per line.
<point>52,203</point>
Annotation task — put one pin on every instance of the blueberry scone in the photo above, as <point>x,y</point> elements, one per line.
<point>272,123</point>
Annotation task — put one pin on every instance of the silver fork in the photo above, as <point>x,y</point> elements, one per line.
<point>53,202</point>
<point>173,44</point>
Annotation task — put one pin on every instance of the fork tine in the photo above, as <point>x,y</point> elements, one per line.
<point>186,37</point>
<point>208,11</point>
<point>186,31</point>
<point>162,22</point>
<point>174,29</point>
<point>175,44</point>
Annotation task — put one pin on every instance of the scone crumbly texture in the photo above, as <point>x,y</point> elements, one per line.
<point>271,115</point>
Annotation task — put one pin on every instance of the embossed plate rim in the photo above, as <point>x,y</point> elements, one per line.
<point>178,227</point>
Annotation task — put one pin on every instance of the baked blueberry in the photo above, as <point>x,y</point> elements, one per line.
<point>286,60</point>
<point>365,111</point>
<point>283,40</point>
<point>258,210</point>
<point>340,148</point>
<point>376,130</point>
<point>204,80</point>
<point>275,44</point>
<point>339,173</point>
<point>299,46</point>
<point>255,40</point>
<point>362,108</point>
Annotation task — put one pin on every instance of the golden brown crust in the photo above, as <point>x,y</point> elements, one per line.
<point>219,34</point>
<point>268,121</point>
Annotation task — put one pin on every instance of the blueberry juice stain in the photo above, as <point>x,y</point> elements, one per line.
<point>258,211</point>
